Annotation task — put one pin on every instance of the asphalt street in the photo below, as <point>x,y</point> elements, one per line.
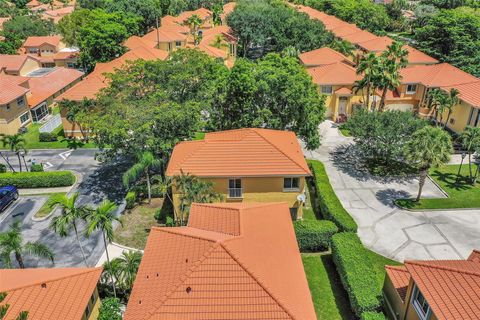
<point>99,181</point>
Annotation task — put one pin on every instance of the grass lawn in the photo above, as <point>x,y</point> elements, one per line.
<point>137,223</point>
<point>329,298</point>
<point>461,194</point>
<point>199,136</point>
<point>45,209</point>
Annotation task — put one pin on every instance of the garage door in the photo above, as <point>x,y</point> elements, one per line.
<point>400,107</point>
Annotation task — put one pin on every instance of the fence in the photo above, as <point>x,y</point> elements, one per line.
<point>51,124</point>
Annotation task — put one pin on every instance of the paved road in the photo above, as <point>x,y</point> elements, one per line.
<point>100,181</point>
<point>384,228</point>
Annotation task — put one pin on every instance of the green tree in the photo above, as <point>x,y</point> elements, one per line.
<point>194,22</point>
<point>110,309</point>
<point>146,162</point>
<point>69,218</point>
<point>368,66</point>
<point>344,47</point>
<point>11,242</point>
<point>128,264</point>
<point>102,219</point>
<point>470,139</point>
<point>148,10</point>
<point>449,102</point>
<point>429,147</point>
<point>23,315</point>
<point>16,144</point>
<point>20,27</point>
<point>79,114</point>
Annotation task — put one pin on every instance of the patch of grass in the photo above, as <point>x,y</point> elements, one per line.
<point>329,297</point>
<point>378,263</point>
<point>45,208</point>
<point>461,193</point>
<point>137,223</point>
<point>199,136</point>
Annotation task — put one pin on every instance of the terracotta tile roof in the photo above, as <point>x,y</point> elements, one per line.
<point>193,273</point>
<point>451,287</point>
<point>135,41</point>
<point>376,44</point>
<point>167,33</point>
<point>358,37</point>
<point>58,14</point>
<point>242,152</point>
<point>469,92</point>
<point>11,88</point>
<point>334,74</point>
<point>343,91</point>
<point>33,3</point>
<point>474,256</point>
<point>95,81</point>
<point>48,294</point>
<point>400,279</point>
<point>63,55</point>
<point>38,41</point>
<point>321,56</point>
<point>13,63</point>
<point>46,86</point>
<point>201,12</point>
<point>346,30</point>
<point>437,75</point>
<point>228,8</point>
<point>417,56</point>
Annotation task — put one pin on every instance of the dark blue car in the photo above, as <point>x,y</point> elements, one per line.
<point>8,194</point>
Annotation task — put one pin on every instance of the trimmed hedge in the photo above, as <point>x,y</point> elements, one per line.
<point>38,179</point>
<point>330,206</point>
<point>372,316</point>
<point>314,235</point>
<point>356,272</point>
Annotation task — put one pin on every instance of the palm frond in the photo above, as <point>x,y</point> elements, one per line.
<point>40,250</point>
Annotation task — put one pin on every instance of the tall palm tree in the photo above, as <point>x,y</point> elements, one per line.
<point>451,101</point>
<point>102,219</point>
<point>69,218</point>
<point>428,147</point>
<point>344,47</point>
<point>470,139</point>
<point>16,144</point>
<point>11,241</point>
<point>435,101</point>
<point>194,21</point>
<point>368,66</point>
<point>145,162</point>
<point>128,264</point>
<point>165,185</point>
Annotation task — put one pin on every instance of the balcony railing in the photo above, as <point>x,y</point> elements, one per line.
<point>235,192</point>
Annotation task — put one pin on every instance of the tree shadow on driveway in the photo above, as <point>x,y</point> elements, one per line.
<point>388,196</point>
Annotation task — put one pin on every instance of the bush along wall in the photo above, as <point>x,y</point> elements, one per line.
<point>372,316</point>
<point>49,179</point>
<point>330,206</point>
<point>314,235</point>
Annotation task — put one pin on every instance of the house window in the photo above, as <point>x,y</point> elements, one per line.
<point>326,89</point>
<point>169,46</point>
<point>411,88</point>
<point>474,118</point>
<point>87,311</point>
<point>70,65</point>
<point>21,101</point>
<point>291,184</point>
<point>24,117</point>
<point>420,304</point>
<point>8,106</point>
<point>234,188</point>
<point>178,44</point>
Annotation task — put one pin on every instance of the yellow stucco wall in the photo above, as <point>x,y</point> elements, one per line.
<point>94,307</point>
<point>256,189</point>
<point>10,118</point>
<point>171,46</point>
<point>458,118</point>
<point>29,66</point>
<point>332,101</point>
<point>393,303</point>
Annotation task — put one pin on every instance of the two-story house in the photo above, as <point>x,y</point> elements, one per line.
<point>246,165</point>
<point>14,110</point>
<point>18,65</point>
<point>51,52</point>
<point>433,290</point>
<point>51,294</point>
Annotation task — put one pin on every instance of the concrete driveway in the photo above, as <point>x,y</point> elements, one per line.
<point>384,228</point>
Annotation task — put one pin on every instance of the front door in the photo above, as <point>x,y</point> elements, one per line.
<point>342,107</point>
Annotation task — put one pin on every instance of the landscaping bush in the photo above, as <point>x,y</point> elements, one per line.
<point>330,206</point>
<point>3,168</point>
<point>36,168</point>
<point>356,272</point>
<point>372,316</point>
<point>314,235</point>
<point>130,199</point>
<point>47,137</point>
<point>38,179</point>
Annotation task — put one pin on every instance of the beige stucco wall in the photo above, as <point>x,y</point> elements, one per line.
<point>94,307</point>
<point>458,118</point>
<point>393,303</point>
<point>10,119</point>
<point>332,101</point>
<point>170,46</point>
<point>29,66</point>
<point>256,189</point>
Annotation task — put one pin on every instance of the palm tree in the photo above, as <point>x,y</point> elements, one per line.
<point>12,242</point>
<point>128,264</point>
<point>368,66</point>
<point>164,186</point>
<point>428,147</point>
<point>102,219</point>
<point>16,143</point>
<point>451,101</point>
<point>217,11</point>
<point>344,47</point>
<point>435,101</point>
<point>23,315</point>
<point>69,218</point>
<point>194,21</point>
<point>145,162</point>
<point>470,139</point>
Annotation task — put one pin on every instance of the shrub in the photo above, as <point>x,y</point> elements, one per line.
<point>330,206</point>
<point>3,168</point>
<point>130,199</point>
<point>47,137</point>
<point>38,179</point>
<point>314,235</point>
<point>37,167</point>
<point>170,222</point>
<point>372,316</point>
<point>110,309</point>
<point>356,272</point>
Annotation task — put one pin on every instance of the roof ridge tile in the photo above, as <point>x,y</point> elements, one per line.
<point>443,267</point>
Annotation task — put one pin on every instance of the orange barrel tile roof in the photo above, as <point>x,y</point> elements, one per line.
<point>376,44</point>
<point>242,152</point>
<point>201,12</point>
<point>13,63</point>
<point>11,88</point>
<point>469,92</point>
<point>400,279</point>
<point>38,41</point>
<point>334,74</point>
<point>451,287</point>
<point>361,36</point>
<point>417,56</point>
<point>346,30</point>
<point>223,265</point>
<point>228,8</point>
<point>48,294</point>
<point>167,33</point>
<point>46,86</point>
<point>322,56</point>
<point>437,75</point>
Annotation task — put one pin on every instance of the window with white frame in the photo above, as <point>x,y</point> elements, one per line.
<point>291,184</point>
<point>21,101</point>
<point>326,89</point>
<point>178,44</point>
<point>25,117</point>
<point>411,88</point>
<point>235,188</point>
<point>420,304</point>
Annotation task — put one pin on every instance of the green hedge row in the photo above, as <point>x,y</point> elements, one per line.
<point>372,316</point>
<point>356,272</point>
<point>37,179</point>
<point>314,235</point>
<point>330,206</point>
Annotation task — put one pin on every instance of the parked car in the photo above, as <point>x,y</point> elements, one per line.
<point>8,194</point>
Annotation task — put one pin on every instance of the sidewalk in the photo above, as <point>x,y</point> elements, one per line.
<point>115,250</point>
